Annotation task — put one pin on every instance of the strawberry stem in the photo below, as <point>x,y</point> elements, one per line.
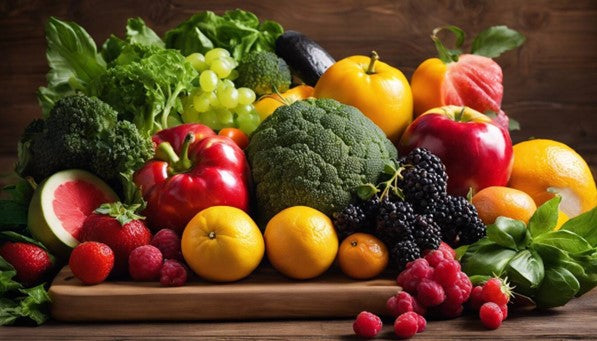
<point>119,211</point>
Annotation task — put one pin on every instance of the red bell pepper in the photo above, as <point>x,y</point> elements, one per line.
<point>193,169</point>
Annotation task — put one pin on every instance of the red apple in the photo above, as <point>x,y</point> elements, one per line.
<point>477,153</point>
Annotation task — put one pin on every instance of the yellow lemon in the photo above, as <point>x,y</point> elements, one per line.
<point>544,167</point>
<point>222,244</point>
<point>301,242</point>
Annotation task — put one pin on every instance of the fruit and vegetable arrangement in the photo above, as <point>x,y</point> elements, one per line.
<point>230,144</point>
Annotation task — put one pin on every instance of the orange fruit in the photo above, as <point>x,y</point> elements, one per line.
<point>362,256</point>
<point>544,167</point>
<point>492,202</point>
<point>301,242</point>
<point>222,244</point>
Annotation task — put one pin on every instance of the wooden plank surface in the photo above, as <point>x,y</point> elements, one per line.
<point>575,321</point>
<point>264,294</point>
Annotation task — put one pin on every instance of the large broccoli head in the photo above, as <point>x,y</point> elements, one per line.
<point>82,132</point>
<point>315,153</point>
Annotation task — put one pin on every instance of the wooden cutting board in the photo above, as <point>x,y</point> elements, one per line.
<point>263,295</point>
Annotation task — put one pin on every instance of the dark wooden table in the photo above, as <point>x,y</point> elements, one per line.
<point>550,87</point>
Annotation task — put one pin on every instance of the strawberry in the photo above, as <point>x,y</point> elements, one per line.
<point>497,291</point>
<point>91,262</point>
<point>117,226</point>
<point>29,260</point>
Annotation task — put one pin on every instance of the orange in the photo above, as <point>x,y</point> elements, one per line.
<point>492,202</point>
<point>222,244</point>
<point>544,167</point>
<point>362,256</point>
<point>266,105</point>
<point>301,242</point>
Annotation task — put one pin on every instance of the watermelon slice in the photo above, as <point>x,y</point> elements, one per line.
<point>60,205</point>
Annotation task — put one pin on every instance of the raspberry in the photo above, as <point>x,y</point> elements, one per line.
<point>494,291</point>
<point>430,293</point>
<point>454,296</point>
<point>406,325</point>
<point>465,285</point>
<point>392,306</point>
<point>448,252</point>
<point>491,315</point>
<point>446,272</point>
<point>504,309</point>
<point>91,262</point>
<point>145,263</point>
<point>421,323</point>
<point>419,268</point>
<point>434,257</point>
<point>407,281</point>
<point>367,325</point>
<point>169,244</point>
<point>173,273</point>
<point>476,298</point>
<point>402,303</point>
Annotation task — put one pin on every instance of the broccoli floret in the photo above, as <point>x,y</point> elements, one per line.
<point>82,132</point>
<point>263,72</point>
<point>315,153</point>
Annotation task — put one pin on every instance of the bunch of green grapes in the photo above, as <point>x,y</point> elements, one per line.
<point>216,102</point>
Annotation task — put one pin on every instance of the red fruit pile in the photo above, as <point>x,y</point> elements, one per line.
<point>433,284</point>
<point>491,300</point>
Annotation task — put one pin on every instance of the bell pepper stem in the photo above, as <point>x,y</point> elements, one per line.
<point>185,163</point>
<point>166,153</point>
<point>374,57</point>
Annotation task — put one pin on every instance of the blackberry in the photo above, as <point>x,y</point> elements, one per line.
<point>350,220</point>
<point>458,220</point>
<point>423,158</point>
<point>371,209</point>
<point>394,221</point>
<point>420,187</point>
<point>427,234</point>
<point>404,252</point>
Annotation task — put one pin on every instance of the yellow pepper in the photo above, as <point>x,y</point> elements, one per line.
<point>379,90</point>
<point>266,105</point>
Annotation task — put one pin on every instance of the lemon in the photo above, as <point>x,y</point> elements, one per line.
<point>301,242</point>
<point>543,168</point>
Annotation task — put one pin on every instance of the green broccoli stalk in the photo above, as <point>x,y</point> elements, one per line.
<point>315,153</point>
<point>264,73</point>
<point>144,85</point>
<point>84,132</point>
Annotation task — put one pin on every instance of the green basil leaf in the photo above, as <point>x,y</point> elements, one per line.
<point>525,271</point>
<point>558,287</point>
<point>460,251</point>
<point>565,240</point>
<point>20,192</point>
<point>138,32</point>
<point>12,214</point>
<point>32,304</point>
<point>507,232</point>
<point>550,254</point>
<point>545,218</point>
<point>496,40</point>
<point>7,274</point>
<point>584,225</point>
<point>588,261</point>
<point>479,279</point>
<point>488,259</point>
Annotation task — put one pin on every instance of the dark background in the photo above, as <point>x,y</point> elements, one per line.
<point>550,82</point>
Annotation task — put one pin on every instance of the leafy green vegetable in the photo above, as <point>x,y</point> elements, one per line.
<point>550,267</point>
<point>237,31</point>
<point>558,287</point>
<point>263,72</point>
<point>12,215</point>
<point>584,225</point>
<point>84,132</point>
<point>145,85</point>
<point>545,218</point>
<point>20,304</point>
<point>73,60</point>
<point>137,32</point>
<point>496,40</point>
<point>315,153</point>
<point>526,270</point>
<point>508,233</point>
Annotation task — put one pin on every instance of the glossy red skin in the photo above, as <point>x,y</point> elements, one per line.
<point>219,176</point>
<point>30,261</point>
<point>476,154</point>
